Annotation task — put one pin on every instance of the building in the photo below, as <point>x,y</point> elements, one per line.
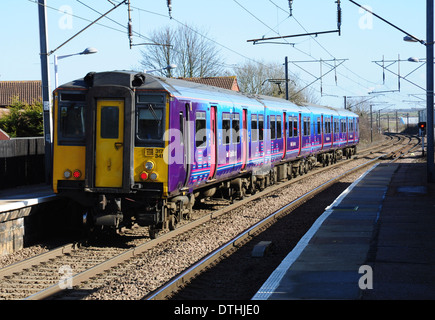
<point>229,83</point>
<point>27,91</point>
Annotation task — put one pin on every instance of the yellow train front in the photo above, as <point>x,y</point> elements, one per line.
<point>99,158</point>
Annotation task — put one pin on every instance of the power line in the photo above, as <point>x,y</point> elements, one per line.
<point>303,52</point>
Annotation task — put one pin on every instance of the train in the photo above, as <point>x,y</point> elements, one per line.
<point>134,148</point>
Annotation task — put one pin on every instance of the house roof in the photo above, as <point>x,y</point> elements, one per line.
<point>28,91</point>
<point>221,82</point>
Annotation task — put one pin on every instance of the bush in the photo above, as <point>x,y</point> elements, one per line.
<point>23,120</point>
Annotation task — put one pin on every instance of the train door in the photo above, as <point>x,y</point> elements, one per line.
<point>213,132</point>
<point>185,130</point>
<point>284,135</point>
<point>300,133</point>
<point>331,130</point>
<point>244,137</point>
<point>339,128</point>
<point>109,142</point>
<point>353,120</point>
<point>322,130</point>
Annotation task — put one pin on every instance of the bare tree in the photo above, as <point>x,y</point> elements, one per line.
<point>159,54</point>
<point>269,79</point>
<point>187,47</point>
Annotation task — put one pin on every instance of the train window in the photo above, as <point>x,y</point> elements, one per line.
<point>272,127</point>
<point>109,122</point>
<point>72,97</point>
<point>150,98</point>
<point>200,129</point>
<point>71,124</point>
<point>343,125</point>
<point>254,128</point>
<point>307,128</point>
<point>319,127</point>
<point>290,126</point>
<point>226,128</point>
<point>149,123</point>
<point>336,127</point>
<point>181,117</point>
<point>150,120</point>
<point>327,125</point>
<point>278,127</point>
<point>260,127</point>
<point>295,126</point>
<point>236,128</point>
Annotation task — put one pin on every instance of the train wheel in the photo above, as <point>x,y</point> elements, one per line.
<point>154,232</point>
<point>324,157</point>
<point>172,222</point>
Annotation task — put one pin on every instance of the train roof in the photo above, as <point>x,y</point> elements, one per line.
<point>183,89</point>
<point>338,111</point>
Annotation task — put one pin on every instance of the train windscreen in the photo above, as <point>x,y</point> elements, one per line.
<point>150,120</point>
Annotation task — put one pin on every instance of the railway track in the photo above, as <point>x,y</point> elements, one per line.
<point>77,267</point>
<point>179,281</point>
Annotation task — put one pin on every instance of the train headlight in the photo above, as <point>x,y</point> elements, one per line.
<point>149,165</point>
<point>67,174</point>
<point>153,176</point>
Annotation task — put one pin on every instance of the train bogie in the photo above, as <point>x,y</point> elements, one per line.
<point>134,148</point>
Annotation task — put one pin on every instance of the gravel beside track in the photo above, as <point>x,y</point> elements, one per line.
<point>242,274</point>
<point>239,276</point>
<point>159,265</point>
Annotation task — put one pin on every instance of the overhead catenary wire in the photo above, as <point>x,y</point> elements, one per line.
<point>230,49</point>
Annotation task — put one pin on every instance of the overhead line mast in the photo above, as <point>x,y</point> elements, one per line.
<point>338,30</point>
<point>130,25</point>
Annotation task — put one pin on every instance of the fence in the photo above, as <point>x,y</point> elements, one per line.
<point>21,162</point>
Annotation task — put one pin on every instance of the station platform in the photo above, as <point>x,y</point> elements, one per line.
<point>375,242</point>
<point>15,205</point>
<point>25,196</point>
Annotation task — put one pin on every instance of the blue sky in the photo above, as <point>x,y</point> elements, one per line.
<point>230,23</point>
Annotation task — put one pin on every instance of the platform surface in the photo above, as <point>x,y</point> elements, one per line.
<point>376,241</point>
<point>20,197</point>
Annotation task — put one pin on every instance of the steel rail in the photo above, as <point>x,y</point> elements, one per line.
<point>43,257</point>
<point>183,278</point>
<point>106,265</point>
<point>101,267</point>
<point>191,272</point>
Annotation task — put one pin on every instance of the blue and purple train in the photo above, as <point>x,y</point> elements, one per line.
<point>136,148</point>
